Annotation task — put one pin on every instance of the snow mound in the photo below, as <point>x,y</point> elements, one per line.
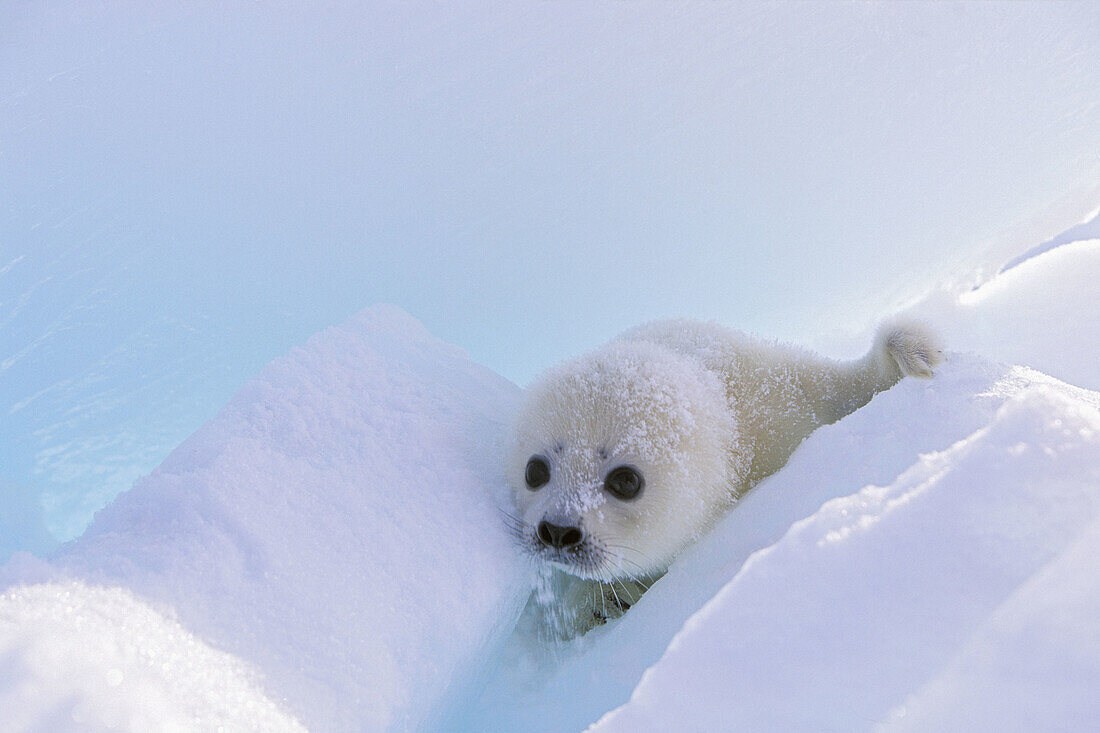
<point>1032,664</point>
<point>1088,229</point>
<point>336,527</point>
<point>80,658</point>
<point>874,595</point>
<point>1035,314</point>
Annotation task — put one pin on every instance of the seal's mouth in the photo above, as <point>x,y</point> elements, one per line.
<point>586,560</point>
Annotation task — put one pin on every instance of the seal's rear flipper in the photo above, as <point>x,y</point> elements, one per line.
<point>912,346</point>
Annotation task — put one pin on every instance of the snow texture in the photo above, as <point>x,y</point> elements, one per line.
<point>1040,313</point>
<point>1088,229</point>
<point>328,553</point>
<point>85,658</point>
<point>869,597</point>
<point>336,526</point>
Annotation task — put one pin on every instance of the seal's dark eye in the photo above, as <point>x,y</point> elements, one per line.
<point>537,473</point>
<point>624,483</point>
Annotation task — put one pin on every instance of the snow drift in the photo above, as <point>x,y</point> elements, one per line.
<point>335,527</point>
<point>88,658</point>
<point>1036,313</point>
<point>327,553</point>
<point>869,600</point>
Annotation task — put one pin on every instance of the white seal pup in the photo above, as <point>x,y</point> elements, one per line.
<point>622,457</point>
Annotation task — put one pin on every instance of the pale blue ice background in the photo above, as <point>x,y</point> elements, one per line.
<point>187,190</point>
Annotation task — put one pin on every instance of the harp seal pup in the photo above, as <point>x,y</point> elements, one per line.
<point>621,458</point>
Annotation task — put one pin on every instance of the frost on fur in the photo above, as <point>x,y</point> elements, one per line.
<point>912,346</point>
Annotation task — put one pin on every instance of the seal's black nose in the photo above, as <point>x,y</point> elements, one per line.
<point>559,537</point>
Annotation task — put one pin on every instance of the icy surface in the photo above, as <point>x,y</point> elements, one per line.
<point>336,527</point>
<point>22,526</point>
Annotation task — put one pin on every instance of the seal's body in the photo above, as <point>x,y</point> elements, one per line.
<point>624,456</point>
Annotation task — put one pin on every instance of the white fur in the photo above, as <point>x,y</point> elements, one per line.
<point>703,412</point>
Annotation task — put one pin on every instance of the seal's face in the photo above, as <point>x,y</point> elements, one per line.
<point>619,460</point>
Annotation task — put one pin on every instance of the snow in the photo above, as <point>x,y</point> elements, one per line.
<point>1031,664</point>
<point>87,658</point>
<point>1040,313</point>
<point>1088,229</point>
<point>869,597</point>
<point>328,553</point>
<point>336,527</point>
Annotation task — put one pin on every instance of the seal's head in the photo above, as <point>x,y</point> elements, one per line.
<point>619,459</point>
